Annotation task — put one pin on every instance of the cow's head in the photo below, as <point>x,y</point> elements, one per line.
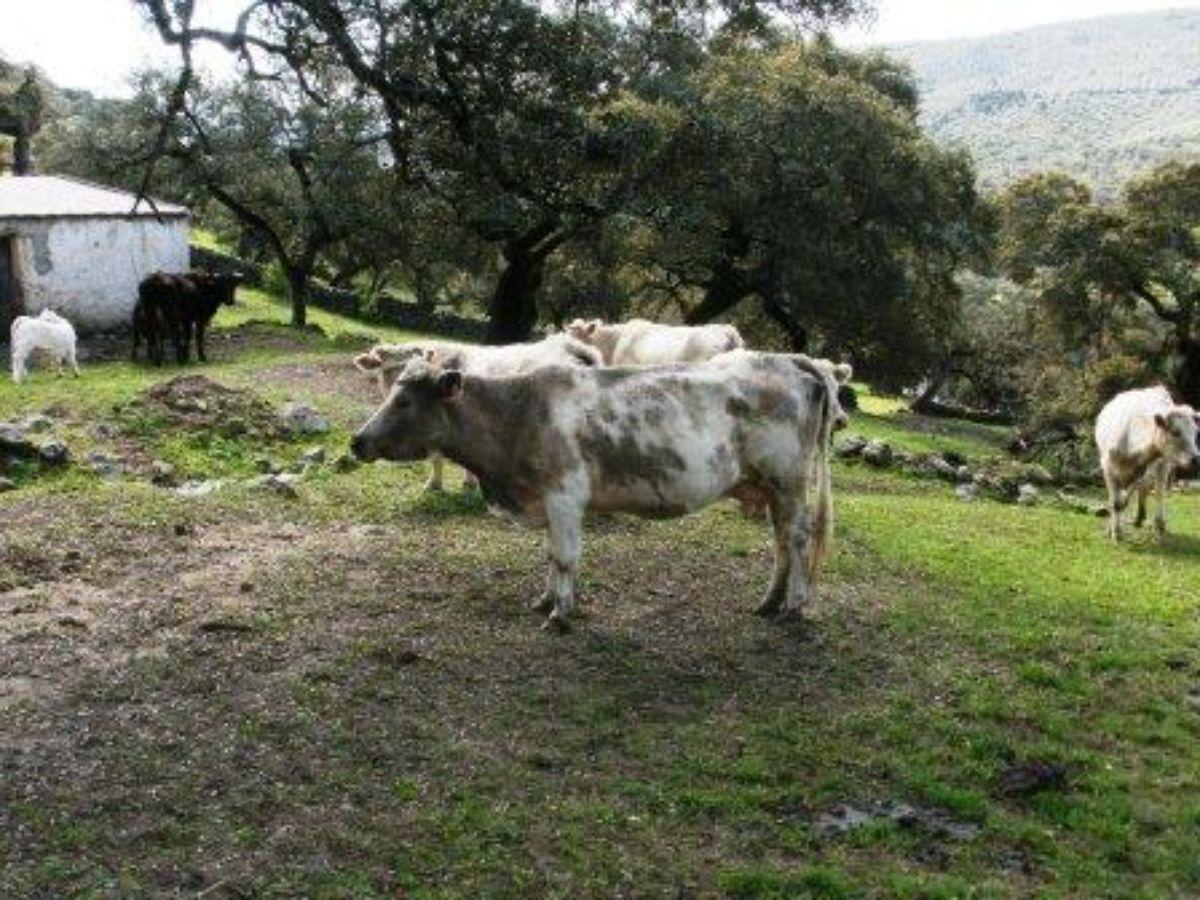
<point>1177,429</point>
<point>413,418</point>
<point>385,362</point>
<point>219,287</point>
<point>584,329</point>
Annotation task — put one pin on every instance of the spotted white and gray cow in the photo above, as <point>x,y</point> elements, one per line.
<point>639,342</point>
<point>385,362</point>
<point>1143,436</point>
<point>657,441</point>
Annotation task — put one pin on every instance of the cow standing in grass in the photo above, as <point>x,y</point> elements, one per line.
<point>48,334</point>
<point>642,343</point>
<point>660,441</point>
<point>1143,436</point>
<point>385,362</point>
<point>179,307</point>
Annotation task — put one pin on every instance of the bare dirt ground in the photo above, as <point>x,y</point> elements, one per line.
<point>202,703</point>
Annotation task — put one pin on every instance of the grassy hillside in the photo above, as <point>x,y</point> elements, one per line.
<point>1101,99</point>
<point>342,693</point>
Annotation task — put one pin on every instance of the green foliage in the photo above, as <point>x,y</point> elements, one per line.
<point>1115,288</point>
<point>801,178</point>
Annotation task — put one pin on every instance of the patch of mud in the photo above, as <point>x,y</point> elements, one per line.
<point>846,818</point>
<point>197,403</point>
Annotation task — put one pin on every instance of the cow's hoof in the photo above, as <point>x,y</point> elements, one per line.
<point>544,603</point>
<point>791,614</point>
<point>770,606</point>
<point>556,624</point>
<point>433,487</point>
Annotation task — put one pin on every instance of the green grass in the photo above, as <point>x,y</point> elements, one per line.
<point>886,418</point>
<point>343,695</point>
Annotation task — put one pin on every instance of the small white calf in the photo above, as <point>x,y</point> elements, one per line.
<point>658,441</point>
<point>47,333</point>
<point>1143,436</point>
<point>385,362</point>
<point>642,343</point>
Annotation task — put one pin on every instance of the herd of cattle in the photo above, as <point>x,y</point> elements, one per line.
<point>641,417</point>
<point>656,420</point>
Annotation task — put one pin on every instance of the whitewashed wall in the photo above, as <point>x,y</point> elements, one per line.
<point>89,269</point>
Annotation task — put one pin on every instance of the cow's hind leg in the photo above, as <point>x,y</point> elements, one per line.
<point>799,536</point>
<point>564,521</point>
<point>1139,517</point>
<point>782,509</point>
<point>1162,479</point>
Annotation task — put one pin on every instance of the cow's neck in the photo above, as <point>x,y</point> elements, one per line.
<point>480,424</point>
<point>1146,455</point>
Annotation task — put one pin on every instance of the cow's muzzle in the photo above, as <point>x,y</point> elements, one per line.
<point>1190,470</point>
<point>359,447</point>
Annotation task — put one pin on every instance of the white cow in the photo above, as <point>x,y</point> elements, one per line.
<point>642,343</point>
<point>47,333</point>
<point>384,362</point>
<point>657,441</point>
<point>1143,436</point>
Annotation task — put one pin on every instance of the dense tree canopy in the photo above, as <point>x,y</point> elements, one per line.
<point>802,179</point>
<point>1102,271</point>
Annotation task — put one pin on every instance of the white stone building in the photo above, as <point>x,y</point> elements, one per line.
<point>81,249</point>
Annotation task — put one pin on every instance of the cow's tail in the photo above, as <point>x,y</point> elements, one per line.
<point>820,479</point>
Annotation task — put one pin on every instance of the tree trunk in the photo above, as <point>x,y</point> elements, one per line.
<point>724,291</point>
<point>925,401</point>
<point>1187,377</point>
<point>23,154</point>
<point>797,334</point>
<point>512,310</point>
<point>297,279</point>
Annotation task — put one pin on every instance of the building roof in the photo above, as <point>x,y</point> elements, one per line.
<point>56,197</point>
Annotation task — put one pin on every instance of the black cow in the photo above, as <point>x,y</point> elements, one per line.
<point>178,306</point>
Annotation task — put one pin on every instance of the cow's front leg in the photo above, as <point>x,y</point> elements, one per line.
<point>437,465</point>
<point>200,342</point>
<point>564,522</point>
<point>1114,506</point>
<point>783,510</point>
<point>1139,517</point>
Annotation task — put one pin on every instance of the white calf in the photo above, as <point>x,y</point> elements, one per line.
<point>386,361</point>
<point>642,343</point>
<point>47,333</point>
<point>1143,436</point>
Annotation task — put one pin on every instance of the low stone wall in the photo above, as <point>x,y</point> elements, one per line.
<point>226,264</point>
<point>386,310</point>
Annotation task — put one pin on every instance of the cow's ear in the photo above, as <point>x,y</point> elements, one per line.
<point>449,385</point>
<point>843,372</point>
<point>367,362</point>
<point>1161,421</point>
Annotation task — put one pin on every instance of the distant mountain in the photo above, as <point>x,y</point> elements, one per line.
<point>1101,99</point>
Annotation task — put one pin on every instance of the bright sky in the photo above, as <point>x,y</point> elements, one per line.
<point>95,44</point>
